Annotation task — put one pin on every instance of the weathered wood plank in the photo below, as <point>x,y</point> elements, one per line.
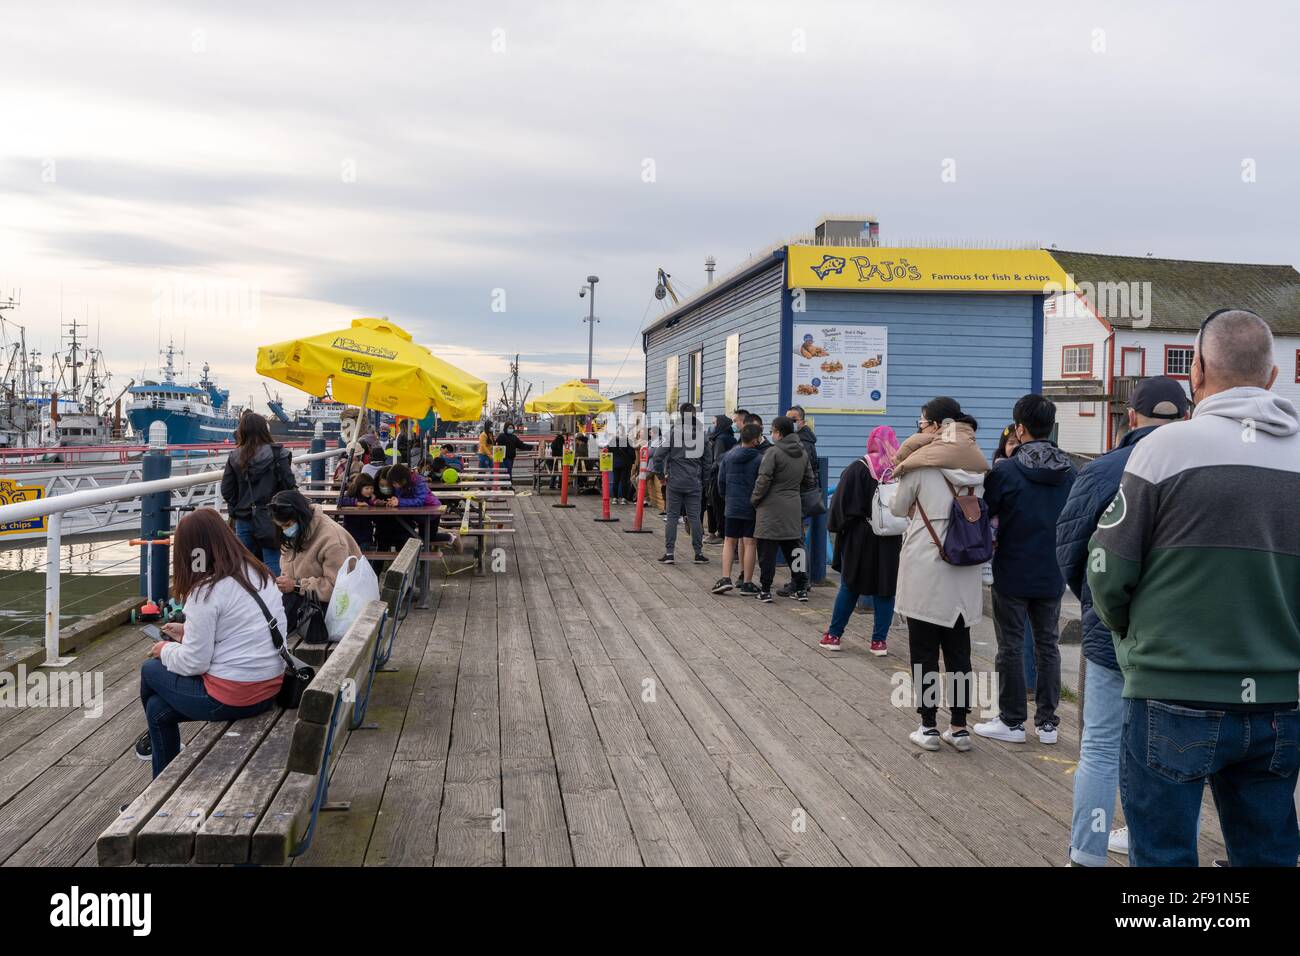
<point>226,835</point>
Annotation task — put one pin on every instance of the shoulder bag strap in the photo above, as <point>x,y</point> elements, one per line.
<point>276,637</point>
<point>930,528</point>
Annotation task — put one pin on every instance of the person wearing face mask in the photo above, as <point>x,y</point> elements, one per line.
<point>513,445</point>
<point>312,549</point>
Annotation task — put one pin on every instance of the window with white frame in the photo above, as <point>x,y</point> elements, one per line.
<point>1178,360</point>
<point>1076,360</point>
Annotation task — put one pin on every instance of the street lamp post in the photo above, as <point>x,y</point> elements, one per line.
<point>591,319</point>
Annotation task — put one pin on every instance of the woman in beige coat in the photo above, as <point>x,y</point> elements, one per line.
<point>313,548</point>
<point>940,601</point>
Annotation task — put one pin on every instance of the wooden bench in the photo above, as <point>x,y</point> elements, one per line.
<point>249,791</point>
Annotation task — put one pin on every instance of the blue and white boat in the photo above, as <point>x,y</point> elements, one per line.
<point>197,414</point>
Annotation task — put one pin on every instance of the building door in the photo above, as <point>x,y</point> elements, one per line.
<point>1133,363</point>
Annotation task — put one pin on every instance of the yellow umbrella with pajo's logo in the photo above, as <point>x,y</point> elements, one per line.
<point>574,397</point>
<point>375,365</point>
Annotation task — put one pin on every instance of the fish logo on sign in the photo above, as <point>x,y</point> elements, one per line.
<point>828,265</point>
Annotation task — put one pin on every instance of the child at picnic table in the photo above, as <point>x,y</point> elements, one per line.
<point>361,493</point>
<point>399,487</point>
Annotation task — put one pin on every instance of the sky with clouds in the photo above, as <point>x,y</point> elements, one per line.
<point>231,175</point>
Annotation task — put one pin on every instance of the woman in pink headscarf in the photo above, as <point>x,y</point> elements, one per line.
<point>867,563</point>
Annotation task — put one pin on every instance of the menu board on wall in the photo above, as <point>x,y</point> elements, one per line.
<point>840,369</point>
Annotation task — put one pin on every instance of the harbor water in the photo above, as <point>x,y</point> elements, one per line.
<point>93,575</point>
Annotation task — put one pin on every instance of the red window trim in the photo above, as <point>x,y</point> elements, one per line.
<point>1091,356</point>
<point>1141,350</point>
<point>1091,414</point>
<point>1188,346</point>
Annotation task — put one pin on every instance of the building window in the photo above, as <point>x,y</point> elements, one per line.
<point>1178,361</point>
<point>1076,361</point>
<point>1087,409</point>
<point>1297,365</point>
<point>695,378</point>
<point>1133,362</point>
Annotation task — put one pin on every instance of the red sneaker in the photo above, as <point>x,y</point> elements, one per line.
<point>830,642</point>
<point>879,648</point>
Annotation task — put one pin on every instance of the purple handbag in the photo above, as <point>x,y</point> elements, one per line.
<point>969,540</point>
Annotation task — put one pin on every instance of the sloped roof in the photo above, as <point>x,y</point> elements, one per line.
<point>1184,292</point>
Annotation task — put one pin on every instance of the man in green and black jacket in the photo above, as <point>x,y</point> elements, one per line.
<point>1195,567</point>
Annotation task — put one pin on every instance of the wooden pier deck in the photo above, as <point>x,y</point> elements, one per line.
<point>588,706</point>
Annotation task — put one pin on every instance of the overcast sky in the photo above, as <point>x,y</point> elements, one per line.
<point>231,175</point>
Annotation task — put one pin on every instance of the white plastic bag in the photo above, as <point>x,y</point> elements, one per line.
<point>884,522</point>
<point>354,587</point>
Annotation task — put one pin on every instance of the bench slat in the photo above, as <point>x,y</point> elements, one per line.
<point>169,836</point>
<point>116,845</point>
<point>349,654</point>
<point>226,835</point>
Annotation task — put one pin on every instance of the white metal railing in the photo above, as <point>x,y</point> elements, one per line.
<point>55,507</point>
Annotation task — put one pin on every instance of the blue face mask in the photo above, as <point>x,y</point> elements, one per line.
<point>291,531</point>
<point>385,490</point>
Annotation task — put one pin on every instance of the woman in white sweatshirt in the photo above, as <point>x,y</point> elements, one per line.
<point>221,664</point>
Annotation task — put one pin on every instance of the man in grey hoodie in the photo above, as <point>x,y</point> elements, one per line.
<point>679,462</point>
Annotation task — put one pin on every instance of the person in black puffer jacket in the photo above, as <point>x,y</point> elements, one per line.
<point>720,440</point>
<point>254,472</point>
<point>1155,402</point>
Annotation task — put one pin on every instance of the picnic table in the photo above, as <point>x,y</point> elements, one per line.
<point>425,519</point>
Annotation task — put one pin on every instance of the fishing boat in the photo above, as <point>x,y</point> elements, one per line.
<point>195,414</point>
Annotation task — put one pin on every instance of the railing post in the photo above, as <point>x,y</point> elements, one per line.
<point>155,516</point>
<point>53,536</point>
<point>318,444</point>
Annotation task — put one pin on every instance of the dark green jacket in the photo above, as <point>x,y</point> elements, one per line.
<point>1195,566</point>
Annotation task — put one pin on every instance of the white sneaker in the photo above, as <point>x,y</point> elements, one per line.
<point>1117,842</point>
<point>995,729</point>
<point>927,738</point>
<point>960,741</point>
<point>1046,733</point>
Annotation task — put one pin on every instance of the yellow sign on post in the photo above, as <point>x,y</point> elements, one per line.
<point>568,458</point>
<point>875,269</point>
<point>10,494</point>
<point>606,461</point>
<point>498,453</point>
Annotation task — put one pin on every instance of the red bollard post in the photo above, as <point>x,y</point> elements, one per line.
<point>606,466</point>
<point>641,477</point>
<point>564,475</point>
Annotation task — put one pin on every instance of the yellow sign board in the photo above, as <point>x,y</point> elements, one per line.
<point>606,461</point>
<point>10,494</point>
<point>1032,271</point>
<point>498,453</point>
<point>568,458</point>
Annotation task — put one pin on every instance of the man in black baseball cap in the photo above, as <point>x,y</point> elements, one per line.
<point>1159,398</point>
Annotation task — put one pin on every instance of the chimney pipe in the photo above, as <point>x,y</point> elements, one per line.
<point>710,264</point>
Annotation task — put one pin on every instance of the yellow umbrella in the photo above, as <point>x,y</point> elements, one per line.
<point>374,364</point>
<point>572,398</point>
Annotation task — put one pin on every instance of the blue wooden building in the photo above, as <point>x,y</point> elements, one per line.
<point>961,322</point>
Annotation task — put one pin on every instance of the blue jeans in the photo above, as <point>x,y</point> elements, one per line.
<point>171,699</point>
<point>846,598</point>
<point>1251,760</point>
<point>485,462</point>
<point>1096,781</point>
<point>270,556</point>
